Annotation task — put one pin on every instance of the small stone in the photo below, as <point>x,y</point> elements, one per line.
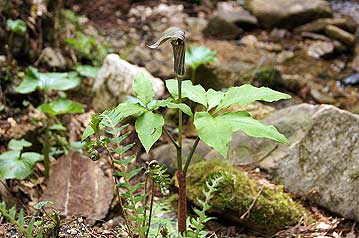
<point>320,25</point>
<point>320,49</point>
<point>340,35</point>
<point>221,29</point>
<point>231,11</point>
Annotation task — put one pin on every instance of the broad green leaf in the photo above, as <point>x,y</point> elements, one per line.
<point>213,131</point>
<point>149,128</point>
<point>170,104</point>
<point>244,122</point>
<point>16,26</point>
<point>213,98</point>
<point>143,89</point>
<point>47,81</point>
<point>87,71</point>
<point>61,106</point>
<point>18,144</point>
<point>111,118</point>
<point>247,94</point>
<point>195,93</point>
<point>15,167</point>
<point>30,83</point>
<point>196,56</point>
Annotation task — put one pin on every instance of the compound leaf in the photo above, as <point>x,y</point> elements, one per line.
<point>61,106</point>
<point>196,56</point>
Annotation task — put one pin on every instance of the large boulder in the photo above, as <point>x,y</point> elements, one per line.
<point>79,186</point>
<point>242,200</point>
<point>114,82</point>
<point>288,13</point>
<point>322,162</point>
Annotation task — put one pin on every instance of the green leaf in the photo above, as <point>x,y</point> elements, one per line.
<point>87,132</point>
<point>213,131</point>
<point>61,106</point>
<point>15,167</point>
<point>16,26</point>
<point>87,71</point>
<point>47,81</point>
<point>196,56</point>
<point>244,122</point>
<point>149,128</point>
<point>213,98</point>
<point>143,89</point>
<point>18,144</point>
<point>247,94</point>
<point>170,104</point>
<point>58,127</point>
<point>196,93</point>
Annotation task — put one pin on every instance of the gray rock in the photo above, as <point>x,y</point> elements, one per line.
<point>287,13</point>
<point>114,82</point>
<point>320,24</point>
<point>340,35</point>
<point>327,162</point>
<point>78,186</point>
<point>322,162</point>
<point>233,12</point>
<point>219,28</point>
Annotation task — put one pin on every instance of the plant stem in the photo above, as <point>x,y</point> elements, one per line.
<point>170,137</point>
<point>118,191</point>
<point>188,161</point>
<point>46,149</point>
<point>180,122</point>
<point>10,48</point>
<point>182,199</point>
<point>151,207</point>
<point>193,77</point>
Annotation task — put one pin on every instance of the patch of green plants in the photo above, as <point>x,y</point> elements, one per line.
<point>197,56</point>
<point>88,47</point>
<point>214,124</point>
<point>54,139</point>
<point>47,226</point>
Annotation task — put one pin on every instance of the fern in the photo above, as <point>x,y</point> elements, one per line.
<point>111,137</point>
<point>196,225</point>
<point>19,221</point>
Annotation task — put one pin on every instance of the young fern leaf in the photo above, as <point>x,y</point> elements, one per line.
<point>19,221</point>
<point>196,225</point>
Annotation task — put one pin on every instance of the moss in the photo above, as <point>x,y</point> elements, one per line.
<point>274,210</point>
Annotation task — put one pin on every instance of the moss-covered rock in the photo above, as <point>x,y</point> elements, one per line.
<point>273,210</point>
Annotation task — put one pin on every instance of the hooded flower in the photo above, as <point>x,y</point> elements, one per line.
<point>177,38</point>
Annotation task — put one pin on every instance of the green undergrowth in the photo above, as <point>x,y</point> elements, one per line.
<point>273,210</point>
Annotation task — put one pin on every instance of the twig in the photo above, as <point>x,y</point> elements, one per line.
<point>253,203</point>
<point>170,137</point>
